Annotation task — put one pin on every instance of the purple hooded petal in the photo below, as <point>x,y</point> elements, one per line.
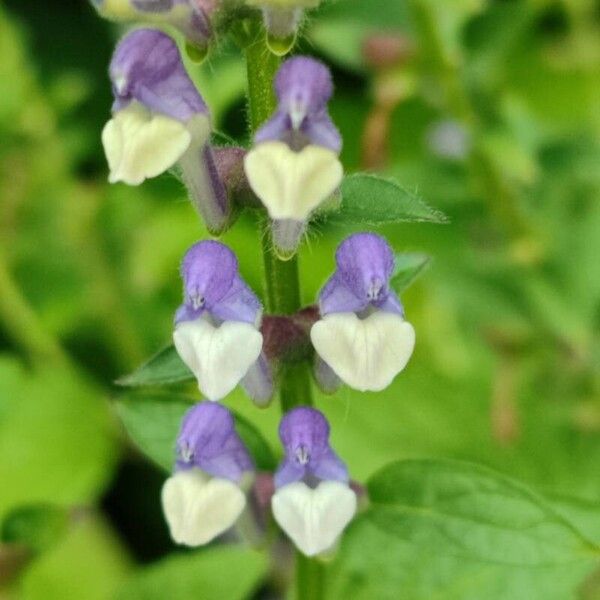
<point>212,284</point>
<point>365,262</point>
<point>304,433</point>
<point>147,67</point>
<point>208,440</point>
<point>208,270</point>
<point>303,86</point>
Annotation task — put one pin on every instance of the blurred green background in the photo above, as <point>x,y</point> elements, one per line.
<point>489,110</point>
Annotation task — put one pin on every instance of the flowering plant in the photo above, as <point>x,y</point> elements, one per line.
<point>225,482</point>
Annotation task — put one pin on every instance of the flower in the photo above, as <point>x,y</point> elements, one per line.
<point>294,166</point>
<point>191,17</point>
<point>204,497</point>
<point>362,334</point>
<point>217,326</point>
<point>160,119</point>
<point>313,501</point>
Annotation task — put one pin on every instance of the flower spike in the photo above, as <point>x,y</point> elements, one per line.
<point>217,327</point>
<point>313,501</point>
<point>204,497</point>
<point>160,119</point>
<point>362,335</point>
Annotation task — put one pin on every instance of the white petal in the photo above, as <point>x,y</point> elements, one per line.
<point>220,356</point>
<point>364,353</point>
<point>198,508</point>
<point>292,184</point>
<point>314,518</point>
<point>139,144</point>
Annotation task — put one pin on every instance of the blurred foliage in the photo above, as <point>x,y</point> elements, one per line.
<point>490,110</point>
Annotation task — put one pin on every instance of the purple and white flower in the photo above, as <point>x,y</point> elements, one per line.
<point>313,501</point>
<point>294,166</point>
<point>362,335</point>
<point>206,494</point>
<point>190,17</point>
<point>159,119</point>
<point>217,327</point>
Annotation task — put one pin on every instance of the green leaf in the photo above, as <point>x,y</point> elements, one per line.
<point>37,526</point>
<point>164,368</point>
<point>153,420</point>
<point>447,529</point>
<point>88,563</point>
<point>57,438</point>
<point>230,572</point>
<point>372,200</point>
<point>408,267</point>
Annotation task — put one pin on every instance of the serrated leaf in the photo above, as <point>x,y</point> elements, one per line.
<point>372,200</point>
<point>408,267</point>
<point>153,420</point>
<point>164,368</point>
<point>230,572</point>
<point>448,529</point>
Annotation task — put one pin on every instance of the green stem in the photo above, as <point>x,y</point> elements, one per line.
<point>282,278</point>
<point>310,578</point>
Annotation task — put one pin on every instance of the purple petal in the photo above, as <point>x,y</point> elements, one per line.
<point>276,128</point>
<point>365,263</point>
<point>147,67</point>
<point>304,433</point>
<point>330,467</point>
<point>208,440</point>
<point>212,284</point>
<point>336,296</point>
<point>392,304</point>
<point>289,471</point>
<point>322,132</point>
<point>303,86</point>
<point>208,270</point>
